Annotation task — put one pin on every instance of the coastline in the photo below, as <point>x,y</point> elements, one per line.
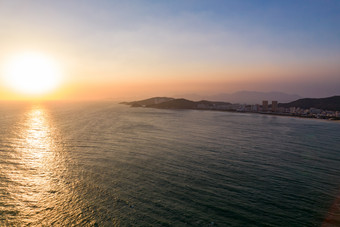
<point>184,104</point>
<point>246,112</point>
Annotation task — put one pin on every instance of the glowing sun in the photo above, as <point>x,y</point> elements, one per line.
<point>32,73</point>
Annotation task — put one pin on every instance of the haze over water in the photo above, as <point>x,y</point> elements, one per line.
<point>108,164</point>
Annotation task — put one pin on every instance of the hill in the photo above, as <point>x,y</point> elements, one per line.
<point>249,97</point>
<point>176,104</point>
<point>170,103</point>
<point>330,103</point>
<point>254,97</point>
<point>148,102</point>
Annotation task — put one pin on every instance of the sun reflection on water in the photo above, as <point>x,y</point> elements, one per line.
<point>39,184</point>
<point>33,182</point>
<point>39,143</point>
<point>35,154</point>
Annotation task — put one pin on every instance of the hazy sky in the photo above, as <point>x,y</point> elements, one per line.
<point>120,49</point>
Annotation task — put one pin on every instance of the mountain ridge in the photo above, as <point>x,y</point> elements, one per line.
<point>249,97</point>
<point>328,103</point>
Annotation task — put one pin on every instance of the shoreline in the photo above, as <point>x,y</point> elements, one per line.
<point>246,112</point>
<point>296,109</point>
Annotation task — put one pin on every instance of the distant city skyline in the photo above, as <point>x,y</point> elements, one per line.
<point>131,49</point>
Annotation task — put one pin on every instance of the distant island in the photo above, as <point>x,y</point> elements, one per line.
<point>321,108</point>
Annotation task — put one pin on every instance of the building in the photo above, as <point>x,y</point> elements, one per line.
<point>292,110</point>
<point>255,108</point>
<point>274,106</point>
<point>264,105</point>
<point>283,110</point>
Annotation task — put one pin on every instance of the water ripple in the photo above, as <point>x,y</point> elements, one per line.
<point>102,164</point>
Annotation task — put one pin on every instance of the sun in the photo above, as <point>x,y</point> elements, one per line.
<point>32,73</point>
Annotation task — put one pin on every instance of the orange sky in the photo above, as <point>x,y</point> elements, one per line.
<point>124,51</point>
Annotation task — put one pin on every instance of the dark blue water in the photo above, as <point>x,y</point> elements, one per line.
<point>107,164</point>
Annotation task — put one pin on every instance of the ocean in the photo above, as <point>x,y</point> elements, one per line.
<point>106,164</point>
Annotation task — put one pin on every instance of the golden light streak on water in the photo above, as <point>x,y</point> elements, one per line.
<point>38,187</point>
<point>35,154</point>
<point>38,141</point>
<point>35,190</point>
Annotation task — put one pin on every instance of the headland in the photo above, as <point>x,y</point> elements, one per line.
<point>322,108</point>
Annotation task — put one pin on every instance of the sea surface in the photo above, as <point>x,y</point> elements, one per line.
<point>106,164</point>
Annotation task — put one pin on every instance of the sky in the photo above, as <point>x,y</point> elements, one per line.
<point>136,49</point>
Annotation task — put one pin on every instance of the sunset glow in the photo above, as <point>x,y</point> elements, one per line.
<point>169,113</point>
<point>32,73</point>
<point>124,50</point>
